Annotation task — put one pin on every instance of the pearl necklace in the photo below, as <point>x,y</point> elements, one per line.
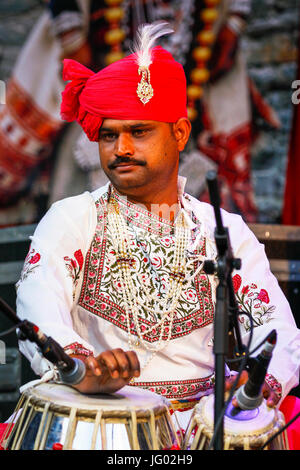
<point>165,309</point>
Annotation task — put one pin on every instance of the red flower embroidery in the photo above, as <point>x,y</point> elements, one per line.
<point>252,303</point>
<point>166,242</point>
<point>237,281</point>
<point>30,264</point>
<point>157,262</point>
<point>79,257</point>
<point>263,296</point>
<point>74,266</point>
<point>34,259</point>
<point>245,289</point>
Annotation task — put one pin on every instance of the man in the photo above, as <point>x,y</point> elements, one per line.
<point>116,276</point>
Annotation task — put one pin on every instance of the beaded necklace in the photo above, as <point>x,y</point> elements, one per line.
<point>162,310</point>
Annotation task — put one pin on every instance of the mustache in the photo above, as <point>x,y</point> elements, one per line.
<point>119,160</point>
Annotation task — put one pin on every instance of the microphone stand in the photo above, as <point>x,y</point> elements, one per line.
<point>226,312</point>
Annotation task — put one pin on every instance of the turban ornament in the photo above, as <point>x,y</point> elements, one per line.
<point>141,86</point>
<point>146,37</point>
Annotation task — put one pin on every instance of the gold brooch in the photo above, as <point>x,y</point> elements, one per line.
<point>144,89</point>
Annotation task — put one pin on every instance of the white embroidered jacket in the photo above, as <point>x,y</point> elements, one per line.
<point>69,288</point>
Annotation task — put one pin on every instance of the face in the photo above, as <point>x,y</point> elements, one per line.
<point>139,157</point>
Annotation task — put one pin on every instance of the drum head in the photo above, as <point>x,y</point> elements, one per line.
<point>128,398</point>
<point>262,419</point>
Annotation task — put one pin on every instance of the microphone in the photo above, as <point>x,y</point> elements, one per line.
<point>249,395</point>
<point>71,370</point>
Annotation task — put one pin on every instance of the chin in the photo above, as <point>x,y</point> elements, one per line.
<point>127,182</point>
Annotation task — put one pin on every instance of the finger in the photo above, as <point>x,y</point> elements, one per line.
<point>235,403</point>
<point>128,363</point>
<point>229,383</point>
<point>134,363</point>
<point>272,400</point>
<point>266,392</point>
<point>92,364</point>
<point>242,380</point>
<point>109,361</point>
<point>123,363</point>
<point>271,397</point>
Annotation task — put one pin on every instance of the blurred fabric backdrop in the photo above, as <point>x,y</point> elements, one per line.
<point>268,43</point>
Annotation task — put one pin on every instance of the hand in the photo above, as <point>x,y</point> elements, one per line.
<point>268,393</point>
<point>108,372</point>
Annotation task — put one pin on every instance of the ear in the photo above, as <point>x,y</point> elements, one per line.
<point>182,129</point>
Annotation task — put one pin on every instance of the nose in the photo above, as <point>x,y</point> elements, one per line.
<point>124,145</point>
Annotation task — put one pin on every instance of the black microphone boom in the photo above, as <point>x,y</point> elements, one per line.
<point>71,370</point>
<point>249,396</point>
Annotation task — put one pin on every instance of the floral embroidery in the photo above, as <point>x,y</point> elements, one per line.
<point>34,258</point>
<point>236,281</point>
<point>30,264</point>
<point>74,267</point>
<point>101,291</point>
<point>254,301</point>
<point>263,296</point>
<point>178,388</point>
<point>76,348</point>
<point>274,384</point>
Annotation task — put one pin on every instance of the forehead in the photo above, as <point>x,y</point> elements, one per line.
<point>127,125</point>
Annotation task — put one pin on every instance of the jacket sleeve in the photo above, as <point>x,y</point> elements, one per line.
<point>46,290</point>
<point>260,296</point>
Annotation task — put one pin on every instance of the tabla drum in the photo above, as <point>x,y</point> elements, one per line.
<point>55,416</point>
<point>243,430</point>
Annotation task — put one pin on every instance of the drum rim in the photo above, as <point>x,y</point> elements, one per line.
<point>38,401</point>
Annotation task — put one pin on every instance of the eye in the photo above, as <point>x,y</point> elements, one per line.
<point>109,137</point>
<point>139,132</point>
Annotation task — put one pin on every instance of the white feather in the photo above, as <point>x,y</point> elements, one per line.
<point>146,36</point>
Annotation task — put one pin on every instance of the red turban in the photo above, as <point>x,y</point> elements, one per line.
<point>112,93</point>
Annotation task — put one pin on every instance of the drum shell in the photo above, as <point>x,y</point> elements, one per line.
<point>128,419</point>
<point>238,435</point>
